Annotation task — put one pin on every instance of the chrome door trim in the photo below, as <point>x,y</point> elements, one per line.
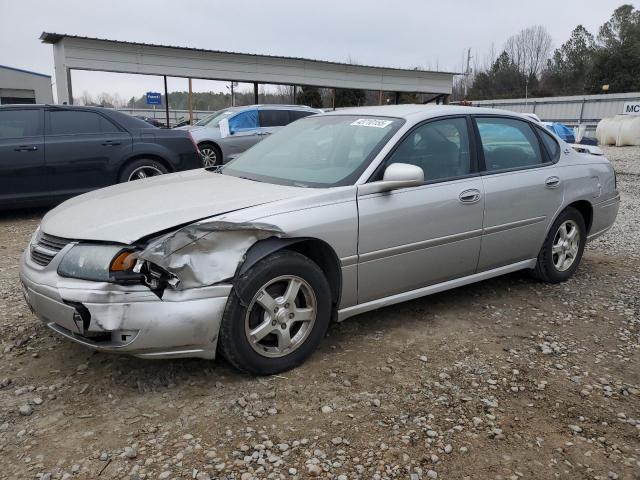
<point>507,226</point>
<point>348,261</point>
<point>410,247</point>
<point>345,313</point>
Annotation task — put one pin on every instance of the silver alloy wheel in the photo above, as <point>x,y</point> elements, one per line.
<point>280,316</point>
<point>144,172</point>
<point>209,157</point>
<point>566,244</point>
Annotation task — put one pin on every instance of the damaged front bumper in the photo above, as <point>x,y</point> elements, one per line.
<point>127,319</point>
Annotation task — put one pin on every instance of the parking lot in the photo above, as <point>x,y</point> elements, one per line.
<point>509,378</point>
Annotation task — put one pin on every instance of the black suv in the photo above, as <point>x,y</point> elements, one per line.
<point>49,153</point>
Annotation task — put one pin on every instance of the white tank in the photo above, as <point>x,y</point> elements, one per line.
<point>620,130</point>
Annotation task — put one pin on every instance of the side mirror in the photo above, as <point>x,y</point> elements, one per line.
<point>396,175</point>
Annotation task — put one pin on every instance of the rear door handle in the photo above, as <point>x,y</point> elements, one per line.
<point>26,148</point>
<point>470,196</point>
<point>110,143</point>
<point>552,182</point>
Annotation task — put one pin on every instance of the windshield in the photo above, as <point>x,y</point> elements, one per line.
<point>214,119</point>
<point>317,151</point>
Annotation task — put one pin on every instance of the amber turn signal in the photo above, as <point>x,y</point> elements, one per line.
<point>123,262</point>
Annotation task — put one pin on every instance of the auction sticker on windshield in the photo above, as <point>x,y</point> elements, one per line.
<point>372,122</point>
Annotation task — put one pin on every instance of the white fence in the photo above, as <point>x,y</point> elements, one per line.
<point>159,114</point>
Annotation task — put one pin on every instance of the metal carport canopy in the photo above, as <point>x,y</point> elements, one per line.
<point>84,53</point>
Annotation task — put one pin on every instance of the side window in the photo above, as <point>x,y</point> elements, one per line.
<point>20,123</point>
<point>298,114</point>
<point>508,143</point>
<point>244,121</point>
<point>273,118</point>
<point>550,144</point>
<point>440,148</point>
<point>65,122</point>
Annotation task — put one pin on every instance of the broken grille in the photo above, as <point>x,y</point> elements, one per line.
<point>47,247</point>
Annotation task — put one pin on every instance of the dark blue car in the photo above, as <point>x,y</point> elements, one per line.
<point>49,153</point>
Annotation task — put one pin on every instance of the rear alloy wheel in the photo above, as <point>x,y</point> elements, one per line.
<point>562,249</point>
<point>211,155</point>
<point>141,169</point>
<point>276,315</point>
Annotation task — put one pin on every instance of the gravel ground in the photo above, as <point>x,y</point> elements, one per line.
<point>505,379</point>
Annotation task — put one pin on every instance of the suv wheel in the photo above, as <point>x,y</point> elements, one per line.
<point>276,315</point>
<point>562,249</point>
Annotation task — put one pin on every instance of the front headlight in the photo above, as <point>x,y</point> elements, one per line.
<point>100,263</point>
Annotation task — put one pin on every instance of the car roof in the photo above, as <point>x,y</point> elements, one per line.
<point>275,106</point>
<point>416,112</point>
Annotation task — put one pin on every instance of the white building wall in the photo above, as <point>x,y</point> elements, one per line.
<point>20,83</point>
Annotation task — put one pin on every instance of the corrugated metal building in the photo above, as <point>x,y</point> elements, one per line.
<point>23,86</point>
<point>573,110</point>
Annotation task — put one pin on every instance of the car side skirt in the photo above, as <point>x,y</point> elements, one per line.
<point>345,313</point>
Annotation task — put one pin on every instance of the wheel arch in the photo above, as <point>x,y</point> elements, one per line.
<point>315,249</point>
<point>145,156</point>
<point>586,210</point>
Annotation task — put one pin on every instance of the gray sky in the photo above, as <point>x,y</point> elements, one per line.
<point>400,33</point>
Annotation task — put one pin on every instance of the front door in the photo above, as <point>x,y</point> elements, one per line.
<point>82,147</point>
<point>523,191</point>
<point>244,132</point>
<point>22,173</point>
<point>414,237</point>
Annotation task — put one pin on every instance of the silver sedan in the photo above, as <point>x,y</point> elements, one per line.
<point>334,215</point>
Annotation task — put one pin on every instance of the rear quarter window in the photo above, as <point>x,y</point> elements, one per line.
<point>550,144</point>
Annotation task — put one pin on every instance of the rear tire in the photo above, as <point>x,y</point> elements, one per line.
<point>276,315</point>
<point>140,169</point>
<point>562,250</point>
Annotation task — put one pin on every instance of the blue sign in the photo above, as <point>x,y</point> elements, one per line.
<point>154,98</point>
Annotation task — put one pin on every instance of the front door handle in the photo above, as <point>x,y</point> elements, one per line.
<point>552,182</point>
<point>470,196</point>
<point>110,143</point>
<point>26,148</point>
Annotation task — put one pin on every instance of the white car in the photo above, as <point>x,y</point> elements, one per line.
<point>229,132</point>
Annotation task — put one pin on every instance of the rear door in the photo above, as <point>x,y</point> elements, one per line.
<point>271,120</point>
<point>523,189</point>
<point>414,237</point>
<point>22,174</point>
<point>83,150</point>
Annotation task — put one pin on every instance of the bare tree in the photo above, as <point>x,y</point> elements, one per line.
<point>529,49</point>
<point>85,99</point>
<point>105,99</point>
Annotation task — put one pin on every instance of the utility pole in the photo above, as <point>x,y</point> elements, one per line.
<point>190,103</point>
<point>467,73</point>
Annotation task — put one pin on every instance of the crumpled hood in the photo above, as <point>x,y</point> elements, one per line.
<point>126,212</point>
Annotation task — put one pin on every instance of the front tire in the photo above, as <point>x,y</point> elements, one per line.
<point>211,155</point>
<point>276,315</point>
<point>562,250</point>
